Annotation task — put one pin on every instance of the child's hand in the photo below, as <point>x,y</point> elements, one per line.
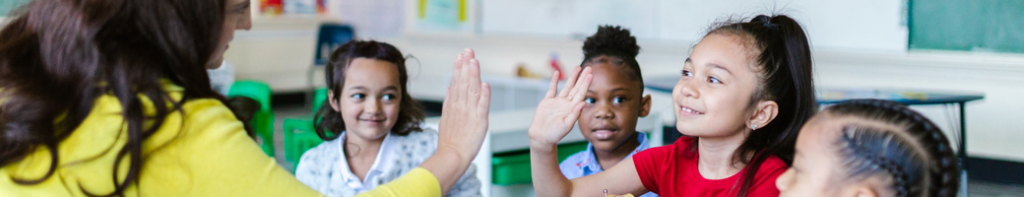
<point>463,123</point>
<point>557,114</point>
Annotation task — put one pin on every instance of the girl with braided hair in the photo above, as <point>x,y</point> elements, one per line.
<point>871,148</point>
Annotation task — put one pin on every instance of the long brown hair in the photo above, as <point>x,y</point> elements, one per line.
<point>58,56</point>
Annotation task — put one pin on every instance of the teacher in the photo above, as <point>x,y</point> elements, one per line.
<point>112,98</point>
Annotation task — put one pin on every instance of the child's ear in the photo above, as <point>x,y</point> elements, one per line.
<point>645,106</point>
<point>764,113</point>
<point>333,102</point>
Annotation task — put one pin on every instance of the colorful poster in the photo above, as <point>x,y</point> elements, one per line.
<point>447,15</point>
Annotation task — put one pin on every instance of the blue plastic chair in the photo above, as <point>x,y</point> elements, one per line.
<point>329,37</point>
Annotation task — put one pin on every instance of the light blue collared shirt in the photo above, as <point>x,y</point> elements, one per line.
<point>585,163</point>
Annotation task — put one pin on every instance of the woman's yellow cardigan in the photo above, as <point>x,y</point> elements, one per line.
<point>199,151</point>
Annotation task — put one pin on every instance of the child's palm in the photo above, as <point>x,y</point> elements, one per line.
<point>556,114</point>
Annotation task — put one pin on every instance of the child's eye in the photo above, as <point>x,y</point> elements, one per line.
<point>358,96</point>
<point>713,80</point>
<point>589,100</point>
<point>388,97</point>
<point>687,73</point>
<point>618,100</point>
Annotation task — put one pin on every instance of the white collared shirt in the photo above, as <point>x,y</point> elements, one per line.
<point>325,168</point>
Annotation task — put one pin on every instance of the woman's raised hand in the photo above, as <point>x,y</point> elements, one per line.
<point>463,123</point>
<point>557,113</point>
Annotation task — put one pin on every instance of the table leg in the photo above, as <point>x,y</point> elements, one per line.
<point>963,150</point>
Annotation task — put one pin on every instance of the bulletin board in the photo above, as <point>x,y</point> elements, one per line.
<point>974,25</point>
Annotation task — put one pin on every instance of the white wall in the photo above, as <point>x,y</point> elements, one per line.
<point>867,24</point>
<point>849,54</point>
<point>991,123</point>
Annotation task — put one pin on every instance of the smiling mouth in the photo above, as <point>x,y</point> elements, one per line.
<point>689,111</point>
<point>373,120</point>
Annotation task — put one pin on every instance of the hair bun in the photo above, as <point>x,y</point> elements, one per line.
<point>611,40</point>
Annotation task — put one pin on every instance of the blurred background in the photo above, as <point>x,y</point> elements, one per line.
<point>959,62</point>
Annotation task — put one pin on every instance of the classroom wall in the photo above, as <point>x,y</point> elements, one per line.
<point>855,44</point>
<point>863,25</point>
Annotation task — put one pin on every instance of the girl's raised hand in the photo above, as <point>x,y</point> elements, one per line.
<point>557,114</point>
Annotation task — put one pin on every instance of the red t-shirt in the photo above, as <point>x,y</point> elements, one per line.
<point>672,171</point>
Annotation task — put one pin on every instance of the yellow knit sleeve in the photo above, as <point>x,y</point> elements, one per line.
<point>223,161</point>
<point>417,183</point>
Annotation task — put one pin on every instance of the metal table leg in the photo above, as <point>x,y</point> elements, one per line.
<point>963,150</point>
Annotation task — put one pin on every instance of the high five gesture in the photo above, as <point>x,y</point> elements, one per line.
<point>557,114</point>
<point>463,123</point>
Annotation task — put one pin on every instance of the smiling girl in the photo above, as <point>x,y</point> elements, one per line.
<point>744,93</point>
<point>370,125</point>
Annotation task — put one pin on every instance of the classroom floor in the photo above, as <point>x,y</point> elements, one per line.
<point>976,188</point>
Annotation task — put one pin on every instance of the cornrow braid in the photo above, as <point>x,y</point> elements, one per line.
<point>865,159</point>
<point>917,155</point>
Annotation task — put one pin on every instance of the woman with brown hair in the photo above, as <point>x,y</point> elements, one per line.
<point>112,98</point>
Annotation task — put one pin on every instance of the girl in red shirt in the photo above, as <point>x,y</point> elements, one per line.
<point>744,93</point>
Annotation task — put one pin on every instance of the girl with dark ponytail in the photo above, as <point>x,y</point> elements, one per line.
<point>745,92</point>
<point>871,148</point>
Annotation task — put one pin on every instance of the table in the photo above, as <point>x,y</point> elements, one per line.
<point>828,96</point>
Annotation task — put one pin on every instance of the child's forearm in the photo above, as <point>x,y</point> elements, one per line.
<point>547,177</point>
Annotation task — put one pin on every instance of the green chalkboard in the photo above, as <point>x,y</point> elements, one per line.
<point>7,5</point>
<point>967,25</point>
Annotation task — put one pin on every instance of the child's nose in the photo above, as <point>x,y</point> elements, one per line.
<point>372,105</point>
<point>687,88</point>
<point>603,111</point>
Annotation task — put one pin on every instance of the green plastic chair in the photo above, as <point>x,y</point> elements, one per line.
<point>512,168</point>
<point>263,120</point>
<point>300,134</point>
<point>318,99</point>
